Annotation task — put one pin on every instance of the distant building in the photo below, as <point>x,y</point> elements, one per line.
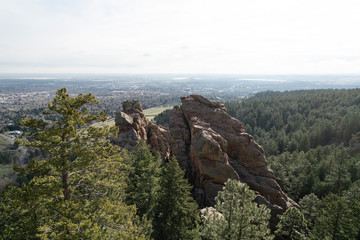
<point>16,132</point>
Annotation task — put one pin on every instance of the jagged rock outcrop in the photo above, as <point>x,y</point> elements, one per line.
<point>212,147</point>
<point>134,127</point>
<point>216,147</point>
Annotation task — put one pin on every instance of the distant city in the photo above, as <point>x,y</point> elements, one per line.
<point>168,83</point>
<point>20,94</point>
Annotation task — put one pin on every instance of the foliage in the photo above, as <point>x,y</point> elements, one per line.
<point>292,225</point>
<point>163,118</point>
<point>332,221</point>
<point>310,205</point>
<point>353,192</point>
<point>299,120</point>
<point>319,171</point>
<point>305,135</point>
<point>5,158</point>
<point>354,205</point>
<point>175,213</point>
<point>78,193</point>
<point>143,183</point>
<point>143,179</point>
<point>5,169</point>
<point>352,198</point>
<point>236,216</point>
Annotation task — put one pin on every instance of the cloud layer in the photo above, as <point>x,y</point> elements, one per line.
<point>180,36</point>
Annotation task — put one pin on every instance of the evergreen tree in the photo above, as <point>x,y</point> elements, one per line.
<point>78,193</point>
<point>175,214</point>
<point>332,219</point>
<point>352,197</point>
<point>143,179</point>
<point>309,205</point>
<point>236,215</point>
<point>143,183</point>
<point>163,118</point>
<point>339,176</point>
<point>292,225</point>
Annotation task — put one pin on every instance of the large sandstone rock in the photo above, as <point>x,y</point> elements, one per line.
<point>210,145</point>
<point>215,147</point>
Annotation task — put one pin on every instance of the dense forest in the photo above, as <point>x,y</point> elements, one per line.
<point>306,135</point>
<point>307,139</point>
<point>87,188</point>
<point>299,120</point>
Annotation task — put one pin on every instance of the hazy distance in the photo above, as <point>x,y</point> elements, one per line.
<point>180,36</point>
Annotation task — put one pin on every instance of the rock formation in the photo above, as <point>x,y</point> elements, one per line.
<point>134,127</point>
<point>216,147</point>
<point>212,147</point>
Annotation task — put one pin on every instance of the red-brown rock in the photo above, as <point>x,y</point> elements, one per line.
<point>134,127</point>
<point>212,147</point>
<point>218,149</point>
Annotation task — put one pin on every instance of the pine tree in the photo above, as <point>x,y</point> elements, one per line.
<point>309,205</point>
<point>332,219</point>
<point>236,215</point>
<point>355,218</point>
<point>143,179</point>
<point>292,225</point>
<point>352,197</point>
<point>78,193</point>
<point>338,178</point>
<point>175,214</point>
<point>143,183</point>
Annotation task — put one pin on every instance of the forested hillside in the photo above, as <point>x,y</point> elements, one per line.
<point>306,135</point>
<point>299,120</point>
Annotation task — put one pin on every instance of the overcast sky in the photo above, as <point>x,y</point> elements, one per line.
<point>185,36</point>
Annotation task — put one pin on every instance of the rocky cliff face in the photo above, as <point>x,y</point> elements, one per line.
<point>216,147</point>
<point>210,145</point>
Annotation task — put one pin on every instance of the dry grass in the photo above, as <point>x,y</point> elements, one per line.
<point>5,169</point>
<point>149,113</point>
<point>110,123</point>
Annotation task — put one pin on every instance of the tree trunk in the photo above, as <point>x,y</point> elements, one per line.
<point>66,187</point>
<point>336,223</point>
<point>230,219</point>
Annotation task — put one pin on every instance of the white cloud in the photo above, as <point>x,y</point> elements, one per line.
<point>232,36</point>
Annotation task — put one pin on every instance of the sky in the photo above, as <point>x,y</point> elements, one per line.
<point>180,36</point>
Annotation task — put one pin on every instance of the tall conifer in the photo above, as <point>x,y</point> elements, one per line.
<point>236,215</point>
<point>78,193</point>
<point>175,214</point>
